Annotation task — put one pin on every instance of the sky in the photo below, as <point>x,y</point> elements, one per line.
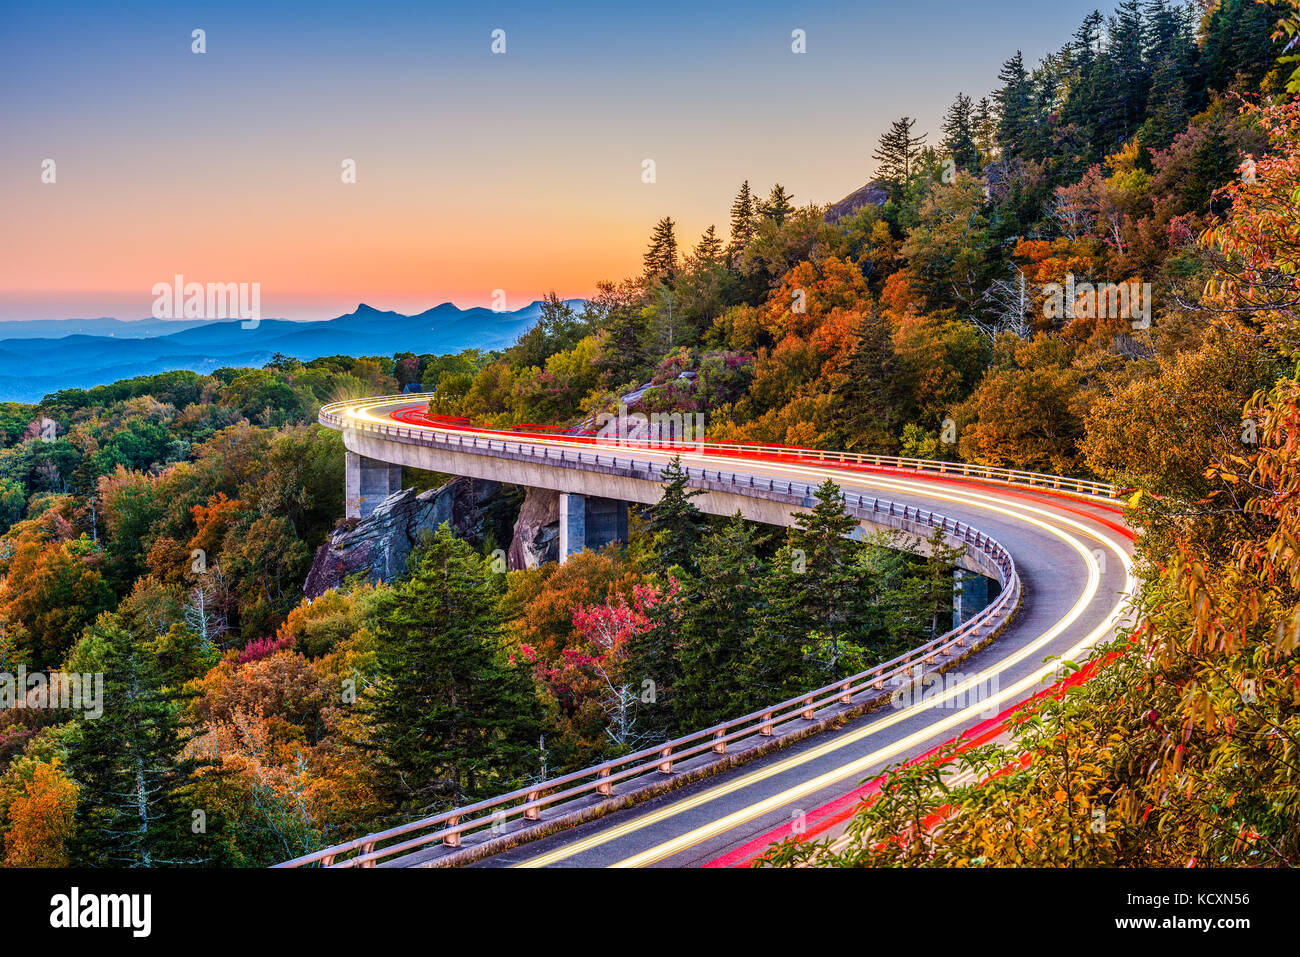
<point>475,171</point>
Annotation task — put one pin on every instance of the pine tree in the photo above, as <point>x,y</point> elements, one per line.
<point>128,761</point>
<point>676,526</point>
<point>742,217</point>
<point>985,130</point>
<point>675,523</point>
<point>777,206</point>
<point>1127,74</point>
<point>1014,108</point>
<point>780,664</point>
<point>812,600</point>
<point>452,721</point>
<point>661,258</point>
<point>870,394</point>
<point>928,590</point>
<point>897,150</point>
<point>830,592</point>
<point>959,134</point>
<point>717,628</point>
<point>708,251</point>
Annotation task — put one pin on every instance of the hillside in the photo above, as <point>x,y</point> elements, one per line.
<point>95,352</point>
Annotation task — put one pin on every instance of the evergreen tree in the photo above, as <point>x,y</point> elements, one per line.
<point>717,628</point>
<point>985,131</point>
<point>830,593</point>
<point>675,523</point>
<point>897,150</point>
<point>928,591</point>
<point>959,134</point>
<point>777,206</point>
<point>812,601</point>
<point>452,721</point>
<point>781,663</point>
<point>1237,49</point>
<point>1127,75</point>
<point>128,761</point>
<point>708,251</point>
<point>743,213</point>
<point>870,394</point>
<point>661,258</point>
<point>1014,108</point>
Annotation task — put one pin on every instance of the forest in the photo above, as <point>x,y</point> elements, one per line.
<point>158,530</point>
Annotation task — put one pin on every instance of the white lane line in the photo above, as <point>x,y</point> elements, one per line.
<point>972,498</point>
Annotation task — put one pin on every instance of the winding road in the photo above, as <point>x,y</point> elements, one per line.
<point>1071,550</point>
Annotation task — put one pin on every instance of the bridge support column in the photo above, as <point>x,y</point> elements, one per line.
<point>367,482</point>
<point>971,594</point>
<point>588,522</point>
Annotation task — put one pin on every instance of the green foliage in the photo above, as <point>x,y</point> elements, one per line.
<point>128,762</point>
<point>451,721</point>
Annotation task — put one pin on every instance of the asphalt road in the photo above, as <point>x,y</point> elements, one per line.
<point>1073,556</point>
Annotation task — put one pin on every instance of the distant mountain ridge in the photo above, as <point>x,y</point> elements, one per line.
<point>80,353</point>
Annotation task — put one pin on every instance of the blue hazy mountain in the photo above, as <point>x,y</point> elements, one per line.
<point>80,353</point>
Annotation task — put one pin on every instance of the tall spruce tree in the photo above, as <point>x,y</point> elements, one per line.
<point>985,130</point>
<point>928,590</point>
<point>870,394</point>
<point>1014,101</point>
<point>743,213</point>
<point>676,524</point>
<point>778,205</point>
<point>897,151</point>
<point>717,628</point>
<point>959,134</point>
<point>813,601</point>
<point>830,593</point>
<point>129,761</point>
<point>452,720</point>
<point>661,257</point>
<point>708,251</point>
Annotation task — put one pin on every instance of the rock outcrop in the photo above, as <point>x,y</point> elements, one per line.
<point>380,544</point>
<point>536,537</point>
<point>873,194</point>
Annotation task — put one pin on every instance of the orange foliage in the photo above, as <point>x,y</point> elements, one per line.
<point>41,820</point>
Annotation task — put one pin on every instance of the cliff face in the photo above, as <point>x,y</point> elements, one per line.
<point>536,536</point>
<point>380,544</point>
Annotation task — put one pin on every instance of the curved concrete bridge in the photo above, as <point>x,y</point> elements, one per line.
<point>1057,547</point>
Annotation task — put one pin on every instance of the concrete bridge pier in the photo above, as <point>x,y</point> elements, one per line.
<point>366,483</point>
<point>590,522</point>
<point>971,594</point>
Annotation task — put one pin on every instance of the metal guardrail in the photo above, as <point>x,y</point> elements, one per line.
<point>527,804</point>
<point>329,416</point>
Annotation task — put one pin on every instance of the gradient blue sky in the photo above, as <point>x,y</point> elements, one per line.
<point>475,171</point>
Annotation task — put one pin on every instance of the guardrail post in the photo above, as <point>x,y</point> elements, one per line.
<point>878,681</point>
<point>720,741</point>
<point>533,813</point>
<point>765,728</point>
<point>847,696</point>
<point>666,766</point>
<point>452,839</point>
<point>604,787</point>
<point>807,713</point>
